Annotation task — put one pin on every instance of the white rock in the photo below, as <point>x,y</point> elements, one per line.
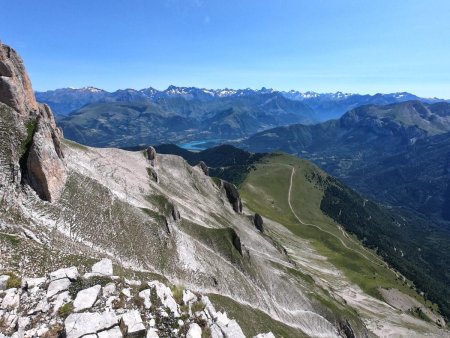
<point>62,299</point>
<point>132,282</point>
<point>110,301</point>
<point>216,332</point>
<point>90,336</point>
<point>165,295</point>
<point>43,306</point>
<point>81,324</point>
<point>189,297</point>
<point>180,322</point>
<point>103,268</point>
<point>195,331</point>
<point>209,308</point>
<point>109,289</point>
<point>11,300</point>
<point>131,324</point>
<point>86,298</point>
<point>145,295</point>
<point>112,333</point>
<point>71,273</point>
<point>127,292</point>
<point>57,286</point>
<point>222,319</point>
<point>152,322</point>
<point>232,330</point>
<point>31,283</point>
<point>265,335</point>
<point>3,281</point>
<point>152,333</point>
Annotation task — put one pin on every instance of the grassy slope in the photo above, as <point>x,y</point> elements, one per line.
<point>306,196</point>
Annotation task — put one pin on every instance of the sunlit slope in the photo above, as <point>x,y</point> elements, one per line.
<point>289,191</point>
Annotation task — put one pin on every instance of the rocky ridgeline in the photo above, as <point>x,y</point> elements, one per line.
<point>99,304</point>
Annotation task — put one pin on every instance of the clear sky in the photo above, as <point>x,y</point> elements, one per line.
<point>363,46</point>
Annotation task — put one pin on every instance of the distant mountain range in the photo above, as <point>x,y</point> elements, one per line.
<point>398,153</point>
<point>177,119</point>
<point>326,106</point>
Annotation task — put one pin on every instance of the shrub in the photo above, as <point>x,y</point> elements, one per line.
<point>66,310</point>
<point>13,281</point>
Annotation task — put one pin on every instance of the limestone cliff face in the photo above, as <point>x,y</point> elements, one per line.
<point>31,152</point>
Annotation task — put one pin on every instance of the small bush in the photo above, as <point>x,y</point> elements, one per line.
<point>206,332</point>
<point>81,284</point>
<point>13,281</point>
<point>197,306</point>
<point>177,294</point>
<point>66,310</point>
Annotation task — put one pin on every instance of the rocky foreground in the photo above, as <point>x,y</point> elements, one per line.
<point>99,304</point>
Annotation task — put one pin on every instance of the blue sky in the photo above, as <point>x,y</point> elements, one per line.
<point>349,45</point>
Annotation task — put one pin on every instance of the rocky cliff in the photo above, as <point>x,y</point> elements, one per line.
<point>33,155</point>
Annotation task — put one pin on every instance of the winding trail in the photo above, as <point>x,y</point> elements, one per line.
<point>318,227</point>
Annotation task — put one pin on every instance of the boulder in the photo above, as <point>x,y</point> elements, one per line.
<point>103,267</point>
<point>81,324</point>
<point>195,331</point>
<point>152,333</point>
<point>4,282</point>
<point>111,333</point>
<point>11,300</point>
<point>58,286</point>
<point>131,325</point>
<point>204,167</point>
<point>109,289</point>
<point>71,273</point>
<point>258,222</point>
<point>233,196</point>
<point>145,295</point>
<point>189,297</point>
<point>85,299</point>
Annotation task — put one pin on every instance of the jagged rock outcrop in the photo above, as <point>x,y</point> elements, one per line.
<point>15,85</point>
<point>233,196</point>
<point>258,222</point>
<point>175,213</point>
<point>151,155</point>
<point>32,136</point>
<point>204,167</point>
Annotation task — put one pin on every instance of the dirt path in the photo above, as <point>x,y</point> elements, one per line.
<point>316,226</point>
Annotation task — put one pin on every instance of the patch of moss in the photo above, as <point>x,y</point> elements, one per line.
<point>66,310</point>
<point>177,293</point>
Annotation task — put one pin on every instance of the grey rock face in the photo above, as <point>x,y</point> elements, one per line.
<point>233,196</point>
